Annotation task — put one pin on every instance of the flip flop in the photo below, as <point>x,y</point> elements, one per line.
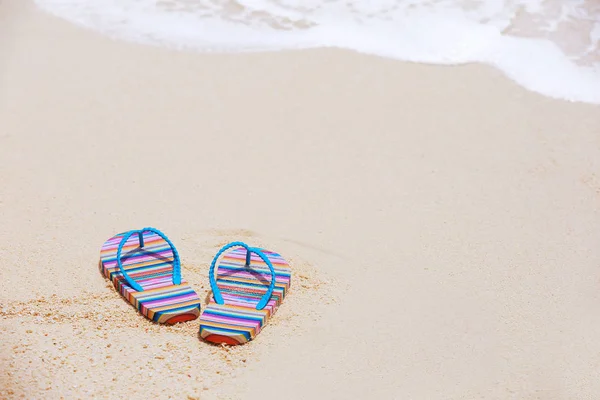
<point>148,275</point>
<point>250,285</point>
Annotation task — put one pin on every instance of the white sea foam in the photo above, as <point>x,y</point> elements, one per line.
<point>548,46</point>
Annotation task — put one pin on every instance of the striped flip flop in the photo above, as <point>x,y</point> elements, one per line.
<point>250,284</point>
<point>145,268</point>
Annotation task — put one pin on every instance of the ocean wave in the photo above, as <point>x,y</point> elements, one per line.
<point>548,46</point>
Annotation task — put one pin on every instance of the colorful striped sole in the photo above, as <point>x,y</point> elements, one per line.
<point>151,267</point>
<point>237,321</point>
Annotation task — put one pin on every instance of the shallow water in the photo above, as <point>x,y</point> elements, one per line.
<point>548,46</point>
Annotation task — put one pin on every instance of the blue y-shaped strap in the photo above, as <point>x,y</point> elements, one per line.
<point>176,262</point>
<point>213,282</point>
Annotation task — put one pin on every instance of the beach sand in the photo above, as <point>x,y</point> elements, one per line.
<point>442,223</point>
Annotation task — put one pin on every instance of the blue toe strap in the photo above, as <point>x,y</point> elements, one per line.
<point>213,282</point>
<point>176,261</point>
